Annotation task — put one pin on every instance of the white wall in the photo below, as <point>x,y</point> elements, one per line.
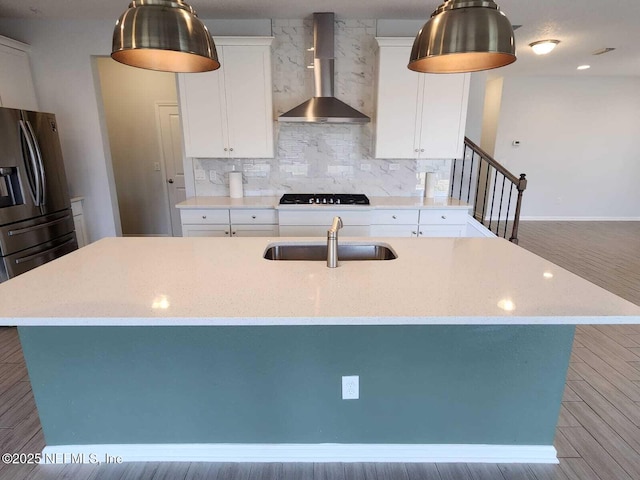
<point>579,145</point>
<point>475,110</point>
<point>61,59</point>
<point>130,98</point>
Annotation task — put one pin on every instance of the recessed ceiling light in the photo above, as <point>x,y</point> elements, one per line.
<point>542,47</point>
<point>584,67</point>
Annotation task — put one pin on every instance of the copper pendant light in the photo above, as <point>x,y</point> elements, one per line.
<point>464,36</point>
<point>163,35</point>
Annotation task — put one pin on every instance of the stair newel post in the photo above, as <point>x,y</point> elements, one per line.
<point>522,185</point>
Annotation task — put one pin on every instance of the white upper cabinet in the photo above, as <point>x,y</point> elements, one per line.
<point>229,112</point>
<point>418,115</point>
<point>16,81</point>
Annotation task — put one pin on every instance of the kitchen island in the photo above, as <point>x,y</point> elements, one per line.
<point>187,349</point>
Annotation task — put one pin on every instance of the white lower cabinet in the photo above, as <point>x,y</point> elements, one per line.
<point>321,231</point>
<point>229,223</point>
<point>395,223</point>
<point>254,230</point>
<point>269,222</point>
<point>315,222</point>
<point>419,223</point>
<point>206,230</point>
<point>394,230</point>
<point>442,223</point>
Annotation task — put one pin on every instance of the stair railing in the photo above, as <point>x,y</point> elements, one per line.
<point>479,177</point>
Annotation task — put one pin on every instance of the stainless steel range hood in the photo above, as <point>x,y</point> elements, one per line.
<point>323,107</point>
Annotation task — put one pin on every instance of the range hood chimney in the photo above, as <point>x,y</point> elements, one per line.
<point>323,107</point>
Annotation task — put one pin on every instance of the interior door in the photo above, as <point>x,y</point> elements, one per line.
<point>171,143</point>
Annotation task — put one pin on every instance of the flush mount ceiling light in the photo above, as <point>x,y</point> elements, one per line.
<point>464,36</point>
<point>543,47</point>
<point>163,35</point>
<point>584,67</point>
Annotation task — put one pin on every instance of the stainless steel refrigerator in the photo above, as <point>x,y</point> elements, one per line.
<point>36,223</point>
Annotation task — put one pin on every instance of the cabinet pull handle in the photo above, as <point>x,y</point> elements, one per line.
<point>253,216</point>
<point>422,149</point>
<point>226,149</point>
<point>420,233</point>
<point>204,217</point>
<point>416,150</point>
<point>226,233</point>
<point>414,233</point>
<point>234,233</point>
<point>444,217</point>
<point>394,217</point>
<point>231,149</point>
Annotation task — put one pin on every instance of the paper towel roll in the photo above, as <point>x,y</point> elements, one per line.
<point>430,185</point>
<point>235,184</point>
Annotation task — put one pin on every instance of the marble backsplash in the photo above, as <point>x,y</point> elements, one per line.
<point>315,157</point>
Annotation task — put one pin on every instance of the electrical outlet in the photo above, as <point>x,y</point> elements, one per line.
<point>156,166</point>
<point>394,166</point>
<point>200,174</point>
<point>351,387</point>
<point>365,167</point>
<point>213,176</point>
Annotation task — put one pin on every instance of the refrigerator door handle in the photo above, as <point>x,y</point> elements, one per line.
<point>43,177</point>
<point>28,258</point>
<point>34,164</point>
<point>20,231</point>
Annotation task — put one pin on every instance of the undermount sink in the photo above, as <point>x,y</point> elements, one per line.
<point>318,252</point>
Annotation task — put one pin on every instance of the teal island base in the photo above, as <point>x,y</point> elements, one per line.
<point>273,393</point>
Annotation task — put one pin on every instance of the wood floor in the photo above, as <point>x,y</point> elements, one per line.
<point>598,435</point>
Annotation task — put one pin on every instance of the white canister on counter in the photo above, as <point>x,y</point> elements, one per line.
<point>430,184</point>
<point>235,185</point>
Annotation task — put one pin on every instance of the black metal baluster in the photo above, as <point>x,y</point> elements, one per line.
<point>473,155</point>
<point>453,175</point>
<point>475,203</point>
<point>493,199</point>
<point>508,208</point>
<point>484,202</point>
<point>464,159</point>
<point>504,179</point>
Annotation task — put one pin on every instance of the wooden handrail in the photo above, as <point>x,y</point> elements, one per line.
<point>492,161</point>
<point>484,201</point>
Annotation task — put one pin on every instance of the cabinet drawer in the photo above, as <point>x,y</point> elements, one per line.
<point>258,217</point>
<point>321,217</point>
<point>394,230</point>
<point>206,231</point>
<point>443,217</point>
<point>394,217</point>
<point>254,231</point>
<point>321,231</point>
<point>205,216</point>
<point>442,231</point>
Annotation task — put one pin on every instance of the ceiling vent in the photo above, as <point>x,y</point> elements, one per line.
<point>602,51</point>
<point>323,107</point>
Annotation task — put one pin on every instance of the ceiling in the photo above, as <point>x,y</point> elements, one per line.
<point>582,26</point>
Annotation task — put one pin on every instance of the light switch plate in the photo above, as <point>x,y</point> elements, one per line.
<point>200,174</point>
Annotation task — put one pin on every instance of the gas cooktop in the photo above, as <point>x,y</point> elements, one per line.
<point>323,199</point>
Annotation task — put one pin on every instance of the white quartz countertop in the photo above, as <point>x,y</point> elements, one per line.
<point>223,281</point>
<point>272,202</point>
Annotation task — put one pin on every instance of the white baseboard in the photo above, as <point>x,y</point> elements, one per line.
<point>580,219</point>
<point>326,452</point>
